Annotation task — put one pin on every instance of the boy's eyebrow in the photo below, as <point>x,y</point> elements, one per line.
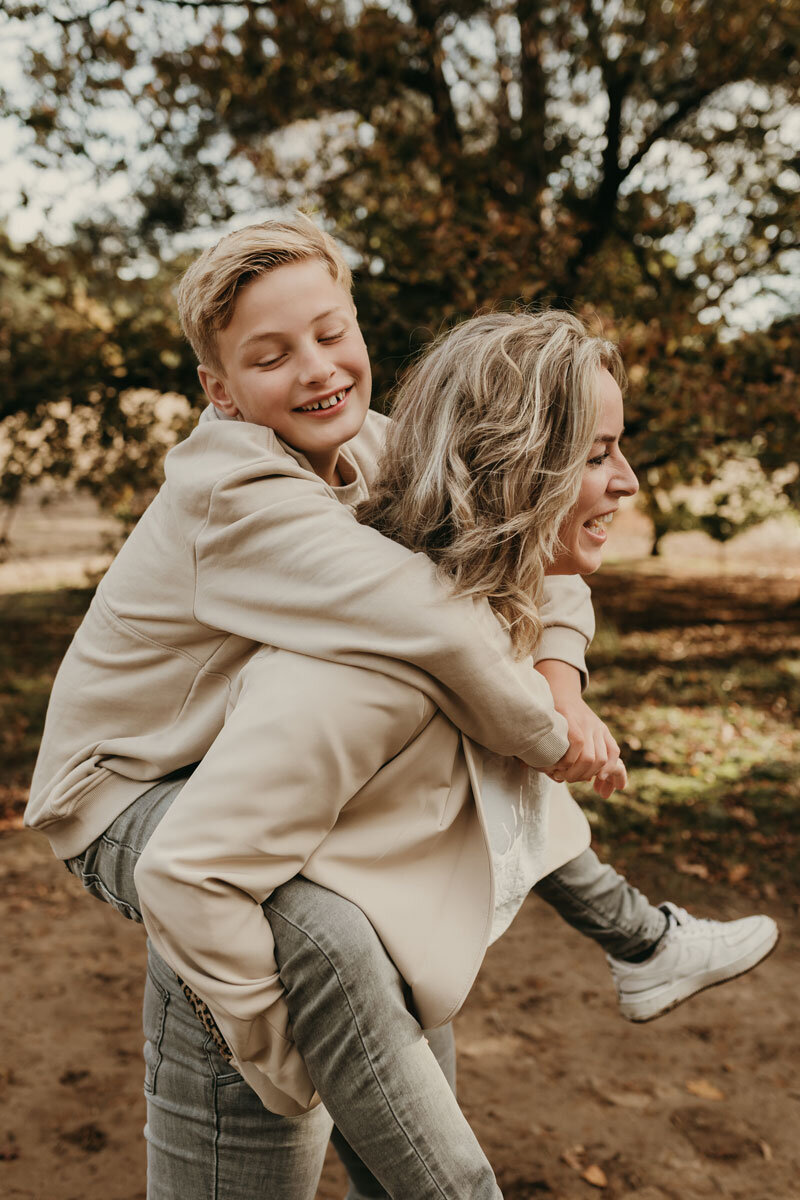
<point>268,333</point>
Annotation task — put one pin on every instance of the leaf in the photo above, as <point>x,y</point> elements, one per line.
<point>704,1089</point>
<point>629,1099</point>
<point>738,872</point>
<point>595,1175</point>
<point>572,1157</point>
<point>700,870</point>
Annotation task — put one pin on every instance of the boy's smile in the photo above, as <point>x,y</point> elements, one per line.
<point>294,360</point>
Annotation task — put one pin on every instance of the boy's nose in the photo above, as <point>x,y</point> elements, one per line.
<point>315,367</point>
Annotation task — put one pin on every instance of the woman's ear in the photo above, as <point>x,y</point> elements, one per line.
<point>216,391</point>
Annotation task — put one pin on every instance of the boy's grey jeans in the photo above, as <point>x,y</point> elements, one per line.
<point>387,1087</point>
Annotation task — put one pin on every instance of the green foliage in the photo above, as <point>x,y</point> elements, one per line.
<point>698,679</point>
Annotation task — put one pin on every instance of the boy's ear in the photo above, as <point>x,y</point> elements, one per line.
<point>216,391</point>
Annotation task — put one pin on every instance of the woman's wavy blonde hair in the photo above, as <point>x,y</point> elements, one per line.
<point>491,430</point>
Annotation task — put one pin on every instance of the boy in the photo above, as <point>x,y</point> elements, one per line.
<point>245,546</point>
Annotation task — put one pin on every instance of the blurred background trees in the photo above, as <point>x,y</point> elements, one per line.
<point>634,159</point>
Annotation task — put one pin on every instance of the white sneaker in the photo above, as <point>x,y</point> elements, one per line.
<point>692,955</point>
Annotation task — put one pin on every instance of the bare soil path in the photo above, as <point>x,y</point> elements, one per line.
<point>561,1091</point>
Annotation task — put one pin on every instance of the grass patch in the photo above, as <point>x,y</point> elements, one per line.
<point>703,710</point>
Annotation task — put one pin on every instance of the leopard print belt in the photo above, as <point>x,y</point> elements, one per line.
<point>207,1021</point>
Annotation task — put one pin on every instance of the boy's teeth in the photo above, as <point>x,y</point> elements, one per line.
<point>329,403</point>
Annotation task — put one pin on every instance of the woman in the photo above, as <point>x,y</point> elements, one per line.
<point>491,471</point>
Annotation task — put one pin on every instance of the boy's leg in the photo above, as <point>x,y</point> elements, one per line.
<point>377,1073</point>
<point>208,1135</point>
<point>601,904</point>
<point>106,868</point>
<point>658,957</point>
<point>363,1184</point>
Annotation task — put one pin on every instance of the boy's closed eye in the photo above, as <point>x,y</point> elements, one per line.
<point>324,339</point>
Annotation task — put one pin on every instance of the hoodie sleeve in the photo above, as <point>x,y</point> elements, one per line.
<point>568,622</point>
<point>280,561</point>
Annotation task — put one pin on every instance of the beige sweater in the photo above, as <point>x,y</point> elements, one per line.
<point>244,545</point>
<point>355,780</point>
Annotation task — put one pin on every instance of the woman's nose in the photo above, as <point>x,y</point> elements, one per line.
<point>624,482</point>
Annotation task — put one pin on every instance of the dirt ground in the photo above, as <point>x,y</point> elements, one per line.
<point>560,1090</point>
<point>568,1100</point>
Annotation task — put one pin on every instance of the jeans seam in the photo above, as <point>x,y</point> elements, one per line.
<point>375,1076</point>
<point>159,1057</point>
<point>216,1140</point>
<point>117,845</point>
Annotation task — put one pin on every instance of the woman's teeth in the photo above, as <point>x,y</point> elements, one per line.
<point>329,403</point>
<point>596,524</point>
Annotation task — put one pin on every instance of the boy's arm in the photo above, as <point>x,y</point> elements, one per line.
<point>592,752</point>
<point>281,562</point>
<point>303,737</point>
<point>568,616</point>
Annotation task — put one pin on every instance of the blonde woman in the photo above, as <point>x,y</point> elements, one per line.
<point>501,465</point>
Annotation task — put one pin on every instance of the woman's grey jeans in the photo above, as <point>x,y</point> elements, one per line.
<point>388,1087</point>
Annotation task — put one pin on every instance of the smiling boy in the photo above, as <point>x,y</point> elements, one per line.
<point>294,361</point>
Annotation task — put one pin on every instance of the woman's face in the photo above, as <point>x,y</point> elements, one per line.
<point>607,477</point>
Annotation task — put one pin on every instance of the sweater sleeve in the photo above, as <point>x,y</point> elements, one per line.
<point>568,618</point>
<point>301,740</point>
<point>281,562</point>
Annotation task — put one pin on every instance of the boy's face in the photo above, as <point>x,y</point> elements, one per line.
<point>292,346</point>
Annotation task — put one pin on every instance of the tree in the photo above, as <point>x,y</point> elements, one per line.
<point>633,157</point>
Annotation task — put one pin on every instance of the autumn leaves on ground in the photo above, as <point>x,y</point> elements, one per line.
<point>698,676</point>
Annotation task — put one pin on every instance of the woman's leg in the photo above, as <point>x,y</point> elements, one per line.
<point>376,1072</point>
<point>208,1135</point>
<point>592,897</point>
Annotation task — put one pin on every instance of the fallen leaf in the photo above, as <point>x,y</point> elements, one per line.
<point>691,868</point>
<point>572,1157</point>
<point>595,1175</point>
<point>738,872</point>
<point>704,1089</point>
<point>766,1150</point>
<point>628,1099</point>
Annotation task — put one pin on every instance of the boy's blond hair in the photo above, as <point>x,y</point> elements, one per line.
<point>491,431</point>
<point>208,291</point>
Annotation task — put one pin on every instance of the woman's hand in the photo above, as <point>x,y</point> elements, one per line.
<point>593,753</point>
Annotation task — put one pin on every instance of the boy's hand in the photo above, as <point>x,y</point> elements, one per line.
<point>593,752</point>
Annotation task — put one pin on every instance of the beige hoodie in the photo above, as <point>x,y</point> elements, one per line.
<point>244,545</point>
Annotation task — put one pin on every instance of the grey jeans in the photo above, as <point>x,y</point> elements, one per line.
<point>388,1087</point>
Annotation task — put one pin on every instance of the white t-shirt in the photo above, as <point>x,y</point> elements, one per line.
<point>516,805</point>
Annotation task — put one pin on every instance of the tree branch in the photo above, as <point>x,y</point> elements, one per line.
<point>534,92</point>
<point>81,18</point>
<point>445,121</point>
<point>683,108</point>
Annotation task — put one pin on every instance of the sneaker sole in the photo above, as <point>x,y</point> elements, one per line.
<point>638,1011</point>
